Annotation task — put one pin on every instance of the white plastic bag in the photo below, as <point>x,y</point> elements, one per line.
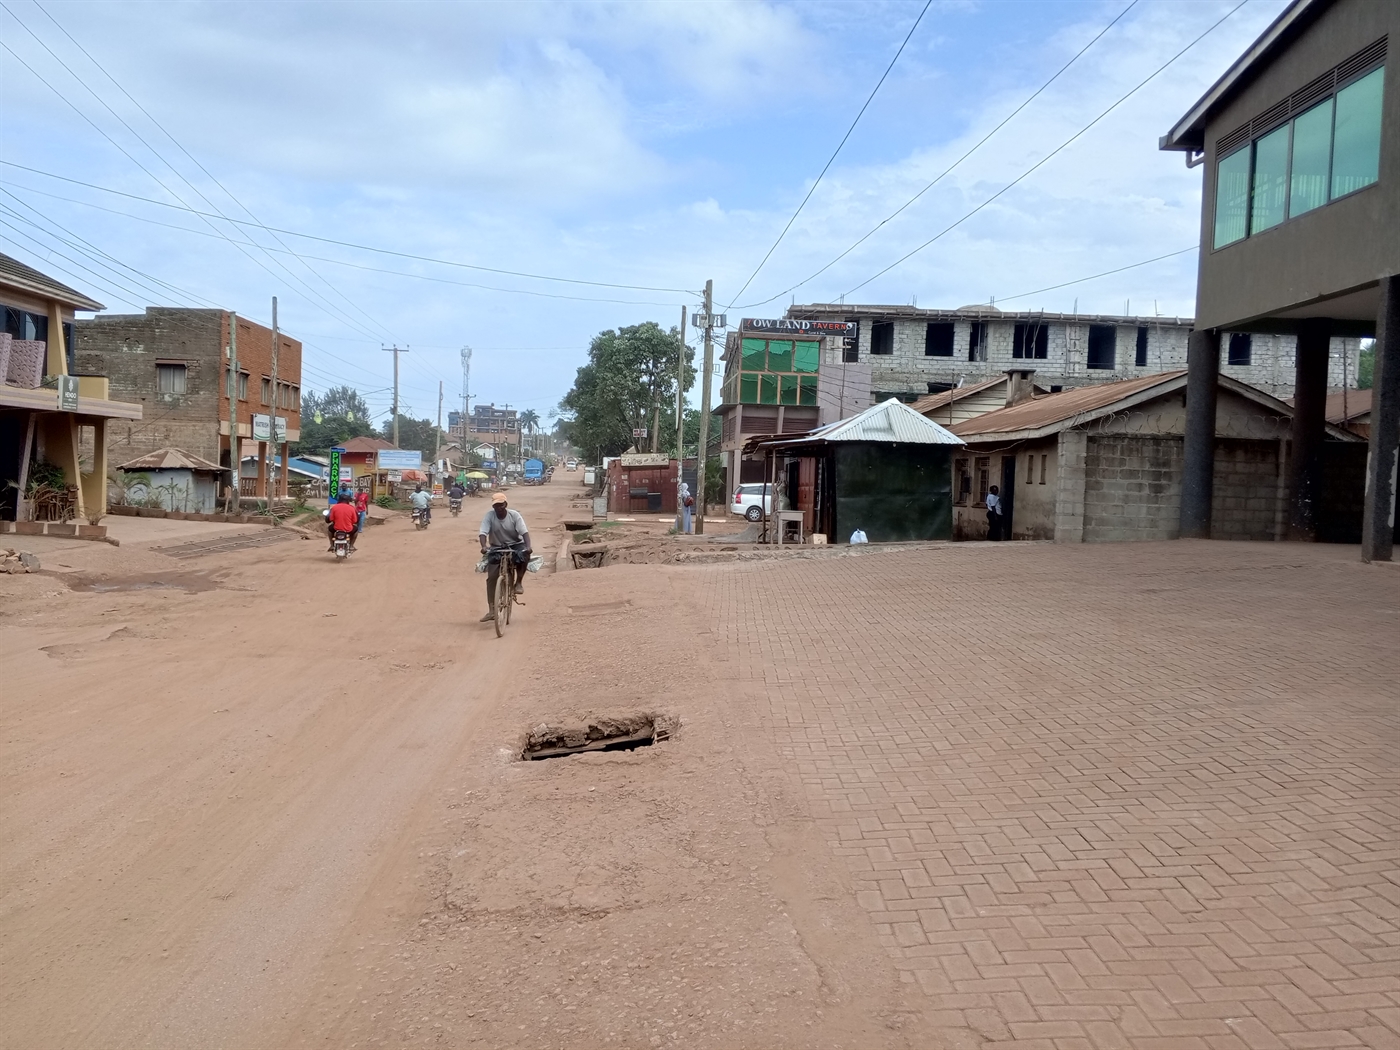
<point>859,536</point>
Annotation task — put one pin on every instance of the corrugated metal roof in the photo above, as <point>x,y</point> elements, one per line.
<point>1342,407</point>
<point>929,402</point>
<point>27,279</point>
<point>365,444</point>
<point>170,459</point>
<point>1056,408</point>
<point>891,421</point>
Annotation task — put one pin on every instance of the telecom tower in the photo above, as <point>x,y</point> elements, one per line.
<point>466,391</point>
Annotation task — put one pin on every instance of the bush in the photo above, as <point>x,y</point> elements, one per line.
<point>384,501</point>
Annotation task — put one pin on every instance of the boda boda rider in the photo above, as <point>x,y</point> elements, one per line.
<point>343,518</point>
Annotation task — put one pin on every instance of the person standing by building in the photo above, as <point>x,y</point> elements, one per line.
<point>994,518</point>
<point>361,510</point>
<point>687,508</point>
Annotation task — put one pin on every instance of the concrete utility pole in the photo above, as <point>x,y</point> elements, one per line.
<point>234,461</point>
<point>704,409</point>
<point>271,473</point>
<point>395,351</point>
<point>680,420</point>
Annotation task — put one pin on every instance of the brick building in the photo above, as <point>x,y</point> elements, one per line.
<point>914,352</point>
<point>173,363</point>
<point>1106,463</point>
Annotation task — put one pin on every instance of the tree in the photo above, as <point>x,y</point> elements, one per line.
<point>334,417</point>
<point>630,375</point>
<point>419,434</point>
<point>1366,365</point>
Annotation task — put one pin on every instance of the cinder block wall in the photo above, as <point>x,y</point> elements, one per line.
<point>1132,488</point>
<point>1247,491</point>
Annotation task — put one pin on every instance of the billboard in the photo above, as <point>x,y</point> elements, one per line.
<point>399,459</point>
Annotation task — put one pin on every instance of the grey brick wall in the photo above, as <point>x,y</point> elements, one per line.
<point>1132,488</point>
<point>1247,500</point>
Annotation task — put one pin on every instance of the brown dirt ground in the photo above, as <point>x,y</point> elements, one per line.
<point>264,799</point>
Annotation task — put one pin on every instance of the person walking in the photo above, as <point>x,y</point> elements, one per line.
<point>361,510</point>
<point>687,508</point>
<point>994,518</point>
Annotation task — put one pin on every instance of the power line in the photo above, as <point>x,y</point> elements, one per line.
<point>832,159</point>
<point>949,169</point>
<point>182,149</point>
<point>1025,174</point>
<point>1094,277</point>
<point>347,244</point>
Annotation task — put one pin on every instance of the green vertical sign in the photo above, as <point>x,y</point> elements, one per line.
<point>333,488</point>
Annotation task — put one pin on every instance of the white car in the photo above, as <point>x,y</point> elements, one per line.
<point>572,464</point>
<point>750,501</point>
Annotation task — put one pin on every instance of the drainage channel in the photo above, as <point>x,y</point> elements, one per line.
<point>626,734</point>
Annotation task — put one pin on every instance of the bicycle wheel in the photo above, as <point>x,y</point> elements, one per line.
<point>508,574</point>
<point>502,602</point>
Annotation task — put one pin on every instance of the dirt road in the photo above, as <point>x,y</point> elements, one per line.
<point>264,799</point>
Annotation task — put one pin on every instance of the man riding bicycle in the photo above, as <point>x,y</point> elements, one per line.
<point>504,528</point>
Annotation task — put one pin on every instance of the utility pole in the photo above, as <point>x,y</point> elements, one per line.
<point>680,421</point>
<point>234,461</point>
<point>466,395</point>
<point>395,351</point>
<point>437,454</point>
<point>272,486</point>
<point>704,409</point>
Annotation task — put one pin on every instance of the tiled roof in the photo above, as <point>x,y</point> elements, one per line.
<point>1056,408</point>
<point>15,274</point>
<point>170,459</point>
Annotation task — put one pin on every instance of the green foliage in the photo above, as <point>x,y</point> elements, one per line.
<point>385,501</point>
<point>630,372</point>
<point>343,415</point>
<point>1366,366</point>
<point>420,434</point>
<point>46,476</point>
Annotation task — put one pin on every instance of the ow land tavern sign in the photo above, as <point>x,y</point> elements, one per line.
<point>784,324</point>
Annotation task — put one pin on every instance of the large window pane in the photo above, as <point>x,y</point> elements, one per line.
<point>808,393</point>
<point>755,354</point>
<point>1231,198</point>
<point>788,394</point>
<point>1270,180</point>
<point>748,388</point>
<point>805,356</point>
<point>1312,154</point>
<point>1356,148</point>
<point>779,355</point>
<point>768,389</point>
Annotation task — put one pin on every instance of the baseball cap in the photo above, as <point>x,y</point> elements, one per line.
<point>497,497</point>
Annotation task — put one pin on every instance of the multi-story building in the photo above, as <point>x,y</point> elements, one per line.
<point>173,362</point>
<point>913,352</point>
<point>490,420</point>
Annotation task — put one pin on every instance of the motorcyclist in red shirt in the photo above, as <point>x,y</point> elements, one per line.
<point>343,518</point>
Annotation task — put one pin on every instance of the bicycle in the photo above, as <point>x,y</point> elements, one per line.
<point>505,586</point>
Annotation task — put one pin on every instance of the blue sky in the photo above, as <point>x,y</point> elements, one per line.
<point>641,144</point>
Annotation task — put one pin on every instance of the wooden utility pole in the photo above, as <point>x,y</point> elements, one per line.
<point>437,454</point>
<point>704,409</point>
<point>680,421</point>
<point>234,462</point>
<point>271,474</point>
<point>395,351</point>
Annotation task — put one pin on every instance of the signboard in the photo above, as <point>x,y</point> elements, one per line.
<point>262,428</point>
<point>399,459</point>
<point>68,393</point>
<point>395,475</point>
<point>346,474</point>
<point>488,464</point>
<point>280,428</point>
<point>645,459</point>
<point>335,470</point>
<point>785,325</point>
<point>639,432</point>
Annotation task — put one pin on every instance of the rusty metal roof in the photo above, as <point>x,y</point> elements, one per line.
<point>171,459</point>
<point>1067,405</point>
<point>365,444</point>
<point>1344,406</point>
<point>15,274</point>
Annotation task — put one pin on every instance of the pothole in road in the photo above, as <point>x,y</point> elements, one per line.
<point>190,582</point>
<point>626,733</point>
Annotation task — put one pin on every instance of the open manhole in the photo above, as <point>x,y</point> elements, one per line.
<point>603,734</point>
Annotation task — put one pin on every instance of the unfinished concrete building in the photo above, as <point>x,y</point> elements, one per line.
<point>913,352</point>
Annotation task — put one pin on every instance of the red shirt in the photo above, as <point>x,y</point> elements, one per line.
<point>344,517</point>
<point>362,500</point>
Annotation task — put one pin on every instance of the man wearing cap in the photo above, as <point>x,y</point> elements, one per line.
<point>503,527</point>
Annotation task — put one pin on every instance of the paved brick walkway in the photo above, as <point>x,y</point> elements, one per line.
<point>1103,796</point>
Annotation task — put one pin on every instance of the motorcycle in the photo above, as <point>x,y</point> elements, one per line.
<point>420,518</point>
<point>341,545</point>
<point>455,505</point>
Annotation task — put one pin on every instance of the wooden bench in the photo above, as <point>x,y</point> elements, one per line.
<point>583,555</point>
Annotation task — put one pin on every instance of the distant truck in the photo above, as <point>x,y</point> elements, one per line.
<point>534,471</point>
